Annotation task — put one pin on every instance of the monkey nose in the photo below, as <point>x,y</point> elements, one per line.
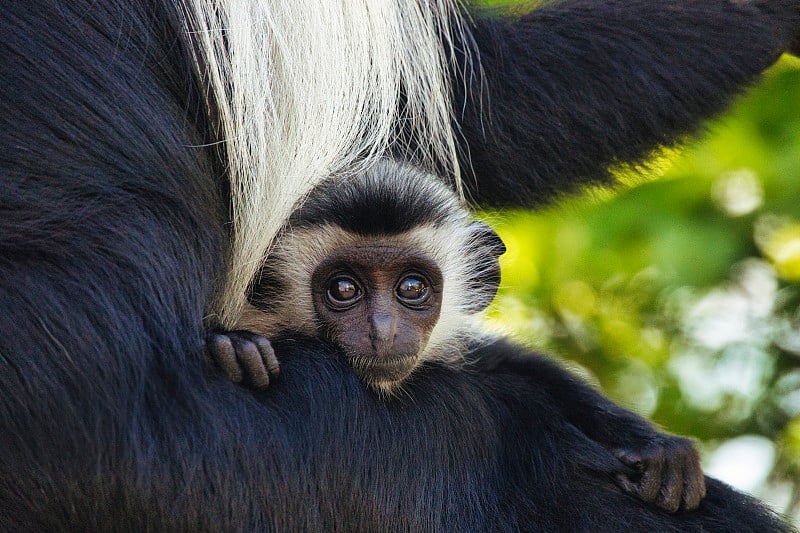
<point>382,332</point>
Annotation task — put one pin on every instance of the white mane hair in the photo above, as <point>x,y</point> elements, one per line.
<point>306,89</point>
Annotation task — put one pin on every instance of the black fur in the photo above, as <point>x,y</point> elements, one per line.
<point>388,201</point>
<point>112,236</point>
<point>576,88</point>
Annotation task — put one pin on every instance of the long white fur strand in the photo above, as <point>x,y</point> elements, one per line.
<point>311,88</point>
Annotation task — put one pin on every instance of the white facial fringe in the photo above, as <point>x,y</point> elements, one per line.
<point>299,251</point>
<point>305,89</point>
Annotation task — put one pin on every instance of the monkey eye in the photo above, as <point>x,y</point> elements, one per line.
<point>343,291</point>
<point>413,289</point>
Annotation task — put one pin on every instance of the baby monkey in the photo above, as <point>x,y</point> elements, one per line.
<point>390,267</point>
<point>387,265</point>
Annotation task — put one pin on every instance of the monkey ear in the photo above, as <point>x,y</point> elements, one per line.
<point>485,281</point>
<point>489,240</point>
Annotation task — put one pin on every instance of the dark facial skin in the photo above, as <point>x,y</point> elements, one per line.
<point>379,304</point>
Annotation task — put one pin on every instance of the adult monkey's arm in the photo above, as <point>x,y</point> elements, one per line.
<point>574,88</point>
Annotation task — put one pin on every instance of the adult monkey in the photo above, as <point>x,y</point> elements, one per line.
<point>112,231</point>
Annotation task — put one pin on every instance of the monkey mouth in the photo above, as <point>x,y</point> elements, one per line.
<point>384,373</point>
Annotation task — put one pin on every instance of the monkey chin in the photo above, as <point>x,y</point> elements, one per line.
<point>384,376</point>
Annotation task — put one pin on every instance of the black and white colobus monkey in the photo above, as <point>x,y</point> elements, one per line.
<point>149,151</point>
<point>391,268</point>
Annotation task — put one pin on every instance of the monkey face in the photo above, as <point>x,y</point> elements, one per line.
<point>379,304</point>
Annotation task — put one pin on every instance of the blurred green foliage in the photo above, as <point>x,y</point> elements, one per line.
<point>679,295</point>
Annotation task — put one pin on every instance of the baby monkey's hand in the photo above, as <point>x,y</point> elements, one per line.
<point>245,357</point>
<point>668,473</point>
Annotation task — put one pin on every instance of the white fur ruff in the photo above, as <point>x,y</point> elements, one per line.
<point>450,242</point>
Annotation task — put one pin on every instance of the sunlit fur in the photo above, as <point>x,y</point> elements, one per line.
<point>451,240</point>
<point>303,90</point>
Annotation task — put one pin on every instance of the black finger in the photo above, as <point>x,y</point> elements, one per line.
<point>267,355</point>
<point>671,493</point>
<point>652,465</point>
<point>694,484</point>
<point>221,350</point>
<point>250,359</point>
<point>631,459</point>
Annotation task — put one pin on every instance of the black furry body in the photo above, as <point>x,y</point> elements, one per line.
<point>603,83</point>
<point>527,469</point>
<point>112,233</point>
